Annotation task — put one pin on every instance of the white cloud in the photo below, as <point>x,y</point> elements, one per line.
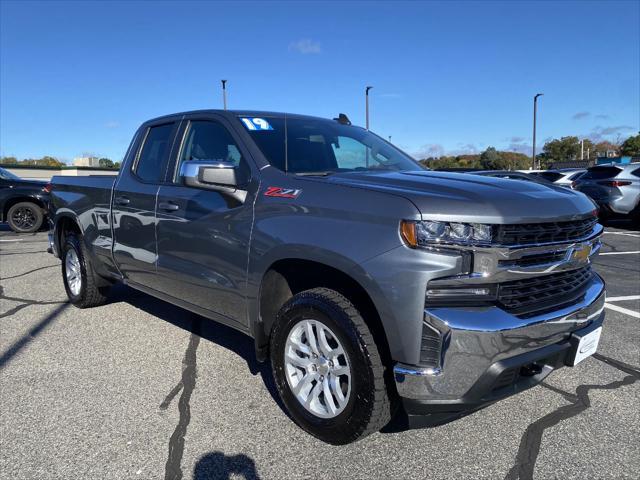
<point>112,124</point>
<point>306,46</point>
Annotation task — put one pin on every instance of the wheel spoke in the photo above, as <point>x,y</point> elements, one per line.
<point>341,370</point>
<point>311,338</point>
<point>313,394</point>
<point>335,386</point>
<point>325,348</point>
<point>297,361</point>
<point>328,397</point>
<point>301,347</point>
<point>306,380</point>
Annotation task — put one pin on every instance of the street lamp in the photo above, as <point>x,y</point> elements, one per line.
<point>535,107</point>
<point>366,95</point>
<point>224,93</point>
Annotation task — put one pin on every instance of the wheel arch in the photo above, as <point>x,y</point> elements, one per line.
<point>288,276</point>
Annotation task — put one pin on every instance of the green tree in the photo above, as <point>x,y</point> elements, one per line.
<point>566,148</point>
<point>490,158</point>
<point>8,161</point>
<point>106,163</point>
<point>116,165</point>
<point>631,146</point>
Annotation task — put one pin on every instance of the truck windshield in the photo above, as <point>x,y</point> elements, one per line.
<point>311,146</point>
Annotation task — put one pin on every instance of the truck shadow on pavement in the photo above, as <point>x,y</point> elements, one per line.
<point>210,330</point>
<point>214,465</point>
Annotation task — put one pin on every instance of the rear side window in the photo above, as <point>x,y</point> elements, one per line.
<point>599,173</point>
<point>153,157</point>
<point>636,172</point>
<point>551,176</point>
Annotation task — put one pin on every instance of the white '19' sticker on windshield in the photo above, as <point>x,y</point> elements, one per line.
<point>256,124</point>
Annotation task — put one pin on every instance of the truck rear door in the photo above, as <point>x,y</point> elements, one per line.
<point>134,203</point>
<point>203,235</point>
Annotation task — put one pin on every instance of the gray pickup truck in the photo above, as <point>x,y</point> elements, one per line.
<point>374,286</point>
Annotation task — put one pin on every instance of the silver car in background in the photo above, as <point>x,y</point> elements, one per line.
<point>615,188</point>
<point>563,177</point>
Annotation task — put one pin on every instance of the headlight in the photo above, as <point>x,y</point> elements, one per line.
<point>428,232</point>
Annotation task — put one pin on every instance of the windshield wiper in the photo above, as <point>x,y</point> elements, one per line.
<point>323,173</point>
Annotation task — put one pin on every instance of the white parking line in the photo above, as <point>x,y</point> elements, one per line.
<point>634,234</point>
<point>12,240</point>
<point>620,253</point>
<point>622,310</point>
<point>623,299</point>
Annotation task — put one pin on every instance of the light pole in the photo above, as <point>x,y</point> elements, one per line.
<point>366,96</point>
<point>535,108</point>
<point>224,93</point>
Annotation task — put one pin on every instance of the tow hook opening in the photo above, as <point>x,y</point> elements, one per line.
<point>530,369</point>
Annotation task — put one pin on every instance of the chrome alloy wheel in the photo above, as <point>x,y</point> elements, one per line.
<point>317,369</point>
<point>72,271</point>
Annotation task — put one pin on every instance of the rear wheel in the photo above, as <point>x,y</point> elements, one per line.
<point>80,281</point>
<point>327,367</point>
<point>25,217</point>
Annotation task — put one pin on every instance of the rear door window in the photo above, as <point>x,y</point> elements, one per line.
<point>154,154</point>
<point>599,173</point>
<point>551,176</point>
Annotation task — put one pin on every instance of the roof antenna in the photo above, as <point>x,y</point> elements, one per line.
<point>224,93</point>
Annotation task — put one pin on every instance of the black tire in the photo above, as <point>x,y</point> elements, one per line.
<point>25,217</point>
<point>368,407</point>
<point>90,294</point>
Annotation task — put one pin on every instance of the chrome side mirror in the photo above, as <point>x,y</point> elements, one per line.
<point>212,175</point>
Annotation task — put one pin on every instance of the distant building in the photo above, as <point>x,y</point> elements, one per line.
<point>86,162</point>
<point>622,160</point>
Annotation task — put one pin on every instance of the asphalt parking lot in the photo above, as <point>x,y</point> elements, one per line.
<point>141,389</point>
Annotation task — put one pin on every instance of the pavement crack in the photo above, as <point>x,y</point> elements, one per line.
<point>173,469</point>
<point>531,441</point>
<point>30,271</point>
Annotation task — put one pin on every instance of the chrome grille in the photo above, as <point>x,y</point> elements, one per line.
<point>533,296</point>
<point>533,233</point>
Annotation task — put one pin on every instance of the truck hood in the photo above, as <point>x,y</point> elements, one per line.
<point>474,198</point>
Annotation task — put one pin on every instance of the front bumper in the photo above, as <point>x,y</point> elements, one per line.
<point>488,354</point>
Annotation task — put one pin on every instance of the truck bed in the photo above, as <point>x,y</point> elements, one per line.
<point>89,200</point>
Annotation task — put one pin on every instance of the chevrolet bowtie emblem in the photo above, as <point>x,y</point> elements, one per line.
<point>581,254</point>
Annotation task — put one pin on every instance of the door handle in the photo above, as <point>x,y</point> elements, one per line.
<point>168,206</point>
<point>122,201</point>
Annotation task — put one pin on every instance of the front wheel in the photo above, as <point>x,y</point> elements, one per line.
<point>25,217</point>
<point>327,367</point>
<point>80,281</point>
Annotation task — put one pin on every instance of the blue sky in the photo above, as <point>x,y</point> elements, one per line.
<point>448,77</point>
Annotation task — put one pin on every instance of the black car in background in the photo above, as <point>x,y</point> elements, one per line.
<point>23,203</point>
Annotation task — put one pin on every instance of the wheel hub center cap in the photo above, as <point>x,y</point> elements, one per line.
<point>323,366</point>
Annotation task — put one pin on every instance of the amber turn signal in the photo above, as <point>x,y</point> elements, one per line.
<point>408,233</point>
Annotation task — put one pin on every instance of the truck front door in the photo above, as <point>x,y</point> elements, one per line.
<point>203,235</point>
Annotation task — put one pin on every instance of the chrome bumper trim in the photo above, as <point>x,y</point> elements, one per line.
<point>478,337</point>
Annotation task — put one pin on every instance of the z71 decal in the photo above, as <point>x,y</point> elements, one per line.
<point>282,192</point>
